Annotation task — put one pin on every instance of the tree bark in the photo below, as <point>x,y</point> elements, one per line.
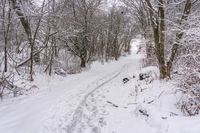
<point>158,26</point>
<point>83,63</point>
<point>6,29</point>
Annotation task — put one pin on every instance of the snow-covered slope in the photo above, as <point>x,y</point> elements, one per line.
<point>98,101</point>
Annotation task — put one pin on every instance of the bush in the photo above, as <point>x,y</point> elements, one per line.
<point>190,102</point>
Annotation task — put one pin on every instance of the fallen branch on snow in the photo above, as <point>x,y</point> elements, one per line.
<point>116,106</point>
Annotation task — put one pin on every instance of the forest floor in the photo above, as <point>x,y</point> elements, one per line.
<point>97,101</point>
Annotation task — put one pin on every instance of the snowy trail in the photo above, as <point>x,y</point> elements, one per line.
<point>28,113</point>
<point>68,113</point>
<point>55,108</point>
<point>77,116</point>
<point>97,101</point>
<point>98,108</point>
<point>137,106</point>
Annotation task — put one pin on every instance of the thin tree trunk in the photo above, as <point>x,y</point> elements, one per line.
<point>161,44</point>
<point>6,28</point>
<point>52,55</point>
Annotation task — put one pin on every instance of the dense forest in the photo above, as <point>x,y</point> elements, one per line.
<point>64,37</point>
<point>61,35</point>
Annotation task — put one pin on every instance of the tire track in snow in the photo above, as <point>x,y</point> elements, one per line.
<point>59,119</point>
<point>77,116</point>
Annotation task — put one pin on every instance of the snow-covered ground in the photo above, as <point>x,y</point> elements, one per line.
<point>97,101</point>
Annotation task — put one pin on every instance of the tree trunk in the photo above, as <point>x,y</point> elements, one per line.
<point>6,29</point>
<point>5,57</point>
<point>51,59</point>
<point>158,26</point>
<point>26,25</point>
<point>175,46</point>
<point>31,59</point>
<point>83,63</point>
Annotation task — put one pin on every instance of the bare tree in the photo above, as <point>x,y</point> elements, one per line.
<point>25,21</point>
<point>157,18</point>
